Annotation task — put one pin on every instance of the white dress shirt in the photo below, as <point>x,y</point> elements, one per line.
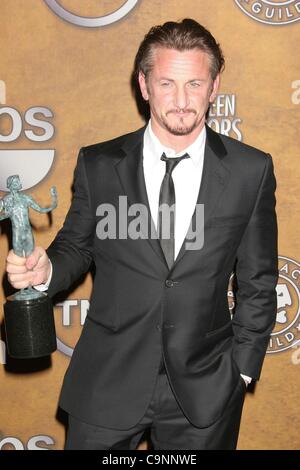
<point>186,176</point>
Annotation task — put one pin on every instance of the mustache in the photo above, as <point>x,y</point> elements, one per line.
<point>183,111</point>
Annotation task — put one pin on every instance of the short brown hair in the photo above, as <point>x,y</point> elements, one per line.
<point>181,36</point>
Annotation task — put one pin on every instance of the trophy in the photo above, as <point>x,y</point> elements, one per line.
<point>28,314</point>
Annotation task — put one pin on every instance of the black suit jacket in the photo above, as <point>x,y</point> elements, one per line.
<point>135,316</point>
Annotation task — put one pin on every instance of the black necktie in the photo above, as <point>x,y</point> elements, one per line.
<point>166,218</point>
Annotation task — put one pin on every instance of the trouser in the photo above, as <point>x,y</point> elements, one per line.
<point>169,427</point>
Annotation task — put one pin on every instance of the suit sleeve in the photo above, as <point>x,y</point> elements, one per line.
<point>256,276</point>
<point>71,250</point>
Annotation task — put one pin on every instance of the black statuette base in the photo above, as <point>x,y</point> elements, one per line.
<point>30,328</point>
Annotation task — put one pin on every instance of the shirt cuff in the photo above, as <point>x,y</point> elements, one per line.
<point>43,287</point>
<point>247,379</point>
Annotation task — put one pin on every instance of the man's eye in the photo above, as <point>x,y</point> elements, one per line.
<point>195,84</point>
<point>165,84</point>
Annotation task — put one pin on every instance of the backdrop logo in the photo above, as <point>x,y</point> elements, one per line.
<point>286,332</point>
<point>2,92</point>
<point>273,12</point>
<point>287,328</point>
<point>39,442</point>
<point>91,22</point>
<point>32,165</point>
<point>222,116</point>
<point>69,323</point>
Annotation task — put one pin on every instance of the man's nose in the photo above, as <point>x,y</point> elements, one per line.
<point>181,99</point>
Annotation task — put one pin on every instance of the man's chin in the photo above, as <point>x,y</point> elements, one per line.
<point>180,130</point>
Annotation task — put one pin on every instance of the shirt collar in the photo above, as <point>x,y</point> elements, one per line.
<point>155,148</point>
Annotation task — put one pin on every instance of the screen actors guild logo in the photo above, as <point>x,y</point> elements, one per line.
<point>274,12</point>
<point>91,22</point>
<point>287,328</point>
<point>286,332</point>
<point>39,442</point>
<point>36,127</point>
<point>222,116</point>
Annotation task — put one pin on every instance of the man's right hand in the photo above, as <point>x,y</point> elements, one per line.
<point>31,271</point>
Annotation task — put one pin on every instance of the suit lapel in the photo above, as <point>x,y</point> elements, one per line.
<point>131,173</point>
<point>215,177</point>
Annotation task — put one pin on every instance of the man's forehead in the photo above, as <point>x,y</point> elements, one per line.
<point>180,61</point>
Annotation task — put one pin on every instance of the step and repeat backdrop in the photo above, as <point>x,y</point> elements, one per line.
<point>65,70</point>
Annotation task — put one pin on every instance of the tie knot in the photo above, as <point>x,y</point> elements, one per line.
<point>172,162</point>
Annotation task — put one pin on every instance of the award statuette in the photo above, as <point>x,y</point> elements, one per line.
<point>28,314</point>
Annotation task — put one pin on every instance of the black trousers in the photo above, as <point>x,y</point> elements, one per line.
<point>169,428</point>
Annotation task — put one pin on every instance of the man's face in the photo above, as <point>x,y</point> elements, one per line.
<point>179,88</point>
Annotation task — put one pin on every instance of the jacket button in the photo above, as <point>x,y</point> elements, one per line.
<point>169,283</point>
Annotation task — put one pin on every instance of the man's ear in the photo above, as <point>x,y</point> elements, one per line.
<point>143,86</point>
<point>215,89</point>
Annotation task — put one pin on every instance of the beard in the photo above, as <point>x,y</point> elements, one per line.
<point>181,128</point>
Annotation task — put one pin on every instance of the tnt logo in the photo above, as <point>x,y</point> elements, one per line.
<point>69,320</point>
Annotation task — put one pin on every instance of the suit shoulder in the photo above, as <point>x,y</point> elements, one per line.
<point>244,151</point>
<point>109,147</point>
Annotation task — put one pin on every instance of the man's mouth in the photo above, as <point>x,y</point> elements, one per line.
<point>181,112</point>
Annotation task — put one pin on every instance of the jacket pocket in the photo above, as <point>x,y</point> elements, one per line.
<point>221,332</point>
<point>108,326</point>
<point>227,221</point>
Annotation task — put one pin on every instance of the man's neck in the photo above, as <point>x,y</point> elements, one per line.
<point>176,142</point>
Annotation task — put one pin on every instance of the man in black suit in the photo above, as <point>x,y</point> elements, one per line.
<point>159,348</point>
